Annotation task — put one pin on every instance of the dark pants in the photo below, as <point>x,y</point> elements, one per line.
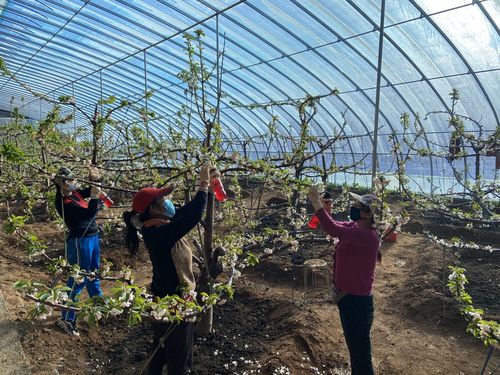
<point>177,351</point>
<point>356,315</point>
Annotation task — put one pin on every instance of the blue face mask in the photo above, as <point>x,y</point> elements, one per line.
<point>169,208</point>
<point>72,187</point>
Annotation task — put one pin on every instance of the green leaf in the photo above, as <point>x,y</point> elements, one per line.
<point>12,153</point>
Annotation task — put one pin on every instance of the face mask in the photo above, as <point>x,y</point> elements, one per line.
<point>72,187</point>
<point>355,213</point>
<point>169,208</point>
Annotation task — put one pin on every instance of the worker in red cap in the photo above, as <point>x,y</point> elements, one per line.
<point>163,227</point>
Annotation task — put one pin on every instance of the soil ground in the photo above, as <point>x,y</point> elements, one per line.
<point>273,325</point>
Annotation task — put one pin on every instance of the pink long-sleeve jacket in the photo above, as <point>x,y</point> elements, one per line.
<point>355,254</point>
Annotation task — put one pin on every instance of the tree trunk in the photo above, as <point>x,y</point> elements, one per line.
<point>324,174</point>
<point>204,324</point>
<point>478,164</point>
<point>47,180</point>
<point>295,196</point>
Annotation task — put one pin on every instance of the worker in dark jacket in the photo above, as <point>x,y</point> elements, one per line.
<point>163,227</point>
<point>82,241</point>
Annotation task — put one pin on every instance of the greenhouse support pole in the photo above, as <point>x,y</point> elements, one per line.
<point>377,97</point>
<point>74,110</point>
<point>100,92</point>
<point>146,117</point>
<point>218,68</point>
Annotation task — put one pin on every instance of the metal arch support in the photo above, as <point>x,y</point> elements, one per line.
<point>261,78</point>
<point>340,70</point>
<point>91,98</point>
<point>197,128</point>
<point>297,63</point>
<point>400,50</point>
<point>116,83</point>
<point>145,91</point>
<point>174,99</point>
<point>176,28</point>
<point>307,70</point>
<point>18,53</point>
<point>47,42</point>
<point>58,44</point>
<point>120,68</point>
<point>459,54</point>
<point>415,66</point>
<point>217,51</point>
<point>377,95</point>
<point>365,59</point>
<point>70,42</point>
<point>241,47</point>
<point>100,21</point>
<point>242,93</point>
<point>258,58</point>
<point>20,36</point>
<point>487,15</point>
<point>164,38</point>
<point>163,93</point>
<point>278,89</point>
<point>123,68</point>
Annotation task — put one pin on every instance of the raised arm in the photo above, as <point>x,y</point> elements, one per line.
<point>332,227</point>
<point>190,214</point>
<point>328,225</point>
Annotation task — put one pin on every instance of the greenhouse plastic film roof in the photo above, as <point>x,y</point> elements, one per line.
<point>273,51</point>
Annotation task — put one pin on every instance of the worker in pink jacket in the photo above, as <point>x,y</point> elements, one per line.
<point>355,259</point>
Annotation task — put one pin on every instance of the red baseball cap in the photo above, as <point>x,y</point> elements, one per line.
<point>144,197</point>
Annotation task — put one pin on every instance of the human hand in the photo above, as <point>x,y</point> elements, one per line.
<point>315,198</point>
<point>94,173</point>
<point>205,172</point>
<point>204,177</point>
<point>214,172</point>
<point>95,191</point>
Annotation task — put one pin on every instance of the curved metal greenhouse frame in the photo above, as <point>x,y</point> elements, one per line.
<point>274,51</point>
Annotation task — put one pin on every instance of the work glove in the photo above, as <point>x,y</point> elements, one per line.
<point>204,177</point>
<point>94,173</point>
<point>95,191</point>
<point>214,172</point>
<point>315,198</point>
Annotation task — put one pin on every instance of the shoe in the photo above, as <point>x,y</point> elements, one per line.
<point>68,326</point>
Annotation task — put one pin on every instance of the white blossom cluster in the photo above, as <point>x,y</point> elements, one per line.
<point>460,244</point>
<point>281,370</point>
<point>457,278</point>
<point>487,331</point>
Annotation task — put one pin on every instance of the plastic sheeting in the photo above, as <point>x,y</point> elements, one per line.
<point>274,50</point>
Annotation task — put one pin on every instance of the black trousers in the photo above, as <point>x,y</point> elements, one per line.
<point>356,315</point>
<point>177,351</point>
